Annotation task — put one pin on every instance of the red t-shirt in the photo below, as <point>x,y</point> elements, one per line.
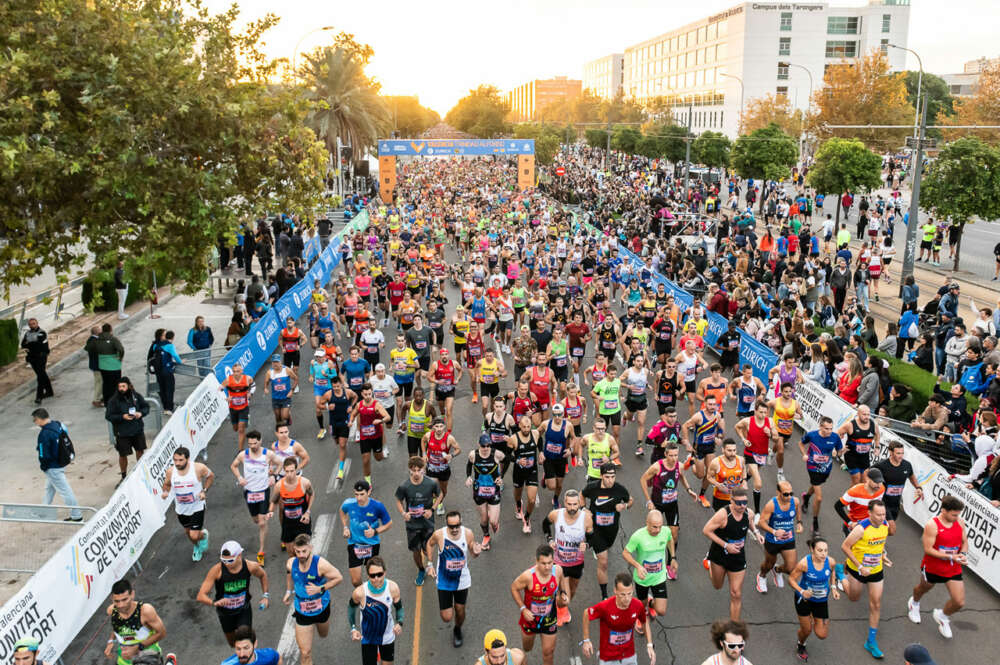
<point>617,625</point>
<point>576,333</point>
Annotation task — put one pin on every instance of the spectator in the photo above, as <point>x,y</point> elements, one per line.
<point>109,360</point>
<point>870,386</point>
<point>934,417</point>
<point>840,281</point>
<point>238,327</point>
<point>163,358</point>
<point>954,349</point>
<point>850,382</point>
<point>942,332</point>
<point>121,289</point>
<point>97,398</point>
<point>126,410</point>
<point>35,342</point>
<point>911,293</point>
<point>900,405</point>
<point>891,345</point>
<point>908,331</point>
<point>949,301</point>
<point>200,338</point>
<point>48,459</point>
<point>869,336</point>
<point>991,354</point>
<point>923,355</point>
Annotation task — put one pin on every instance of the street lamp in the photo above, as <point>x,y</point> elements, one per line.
<point>802,133</point>
<point>295,53</point>
<point>730,76</point>
<point>920,81</point>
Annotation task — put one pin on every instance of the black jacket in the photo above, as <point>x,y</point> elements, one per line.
<point>119,405</point>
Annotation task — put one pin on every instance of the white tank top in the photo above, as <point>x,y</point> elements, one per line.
<point>636,379</point>
<point>374,615</point>
<point>283,454</point>
<point>568,538</point>
<point>186,487</point>
<point>688,367</point>
<point>255,471</point>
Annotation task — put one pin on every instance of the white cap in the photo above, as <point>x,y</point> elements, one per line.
<point>230,550</point>
<point>557,409</point>
<point>379,366</point>
<point>320,353</point>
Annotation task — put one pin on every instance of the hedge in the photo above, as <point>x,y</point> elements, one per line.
<point>109,298</point>
<point>9,343</point>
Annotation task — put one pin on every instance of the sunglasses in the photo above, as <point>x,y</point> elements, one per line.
<point>735,645</point>
<point>381,574</point>
<point>455,526</point>
<point>740,503</point>
<point>787,494</point>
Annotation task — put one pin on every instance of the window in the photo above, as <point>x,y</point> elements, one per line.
<point>884,46</point>
<point>713,31</point>
<point>782,71</point>
<point>842,25</point>
<point>781,91</point>
<point>785,24</point>
<point>709,55</point>
<point>886,22</point>
<point>784,46</point>
<point>841,49</point>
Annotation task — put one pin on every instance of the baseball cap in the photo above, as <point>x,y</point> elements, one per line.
<point>320,353</point>
<point>230,550</point>
<point>494,639</point>
<point>379,366</point>
<point>362,486</point>
<point>875,475</point>
<point>916,654</point>
<point>276,358</point>
<point>557,409</point>
<point>484,439</point>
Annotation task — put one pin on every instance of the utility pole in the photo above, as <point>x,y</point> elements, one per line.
<point>913,225</point>
<point>608,151</point>
<point>687,151</point>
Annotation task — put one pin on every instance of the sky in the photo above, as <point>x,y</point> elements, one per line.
<point>440,49</point>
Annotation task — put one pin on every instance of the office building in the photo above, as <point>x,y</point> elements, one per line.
<point>603,77</point>
<point>966,83</point>
<point>758,48</point>
<point>528,99</point>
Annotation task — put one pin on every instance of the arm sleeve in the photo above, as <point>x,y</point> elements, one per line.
<point>841,509</point>
<point>352,614</point>
<point>400,614</point>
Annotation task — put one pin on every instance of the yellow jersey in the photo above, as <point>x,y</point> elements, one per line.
<point>870,548</point>
<point>489,372</point>
<point>784,416</point>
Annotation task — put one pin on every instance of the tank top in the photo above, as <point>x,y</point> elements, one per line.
<point>377,617</point>
<point>523,406</point>
<point>758,442</point>
<point>444,374</point>
<point>555,442</point>
<point>460,328</point>
<point>453,564</point>
<point>816,580</point>
<point>129,630</point>
<point>489,372</point>
<point>437,448</point>
<point>664,484</point>
<point>417,420</point>
<point>283,454</point>
<point>784,416</point>
<point>782,519</point>
<point>636,380</point>
<point>290,339</point>
<point>238,392</point>
<point>787,376</point>
<point>306,604</point>
<point>596,451</point>
<point>526,451</point>
<point>734,532</point>
<point>255,471</point>
<point>568,538</point>
<point>947,541</point>
<point>367,427</point>
<point>598,373</point>
<point>486,473</point>
<point>186,487</point>
<point>717,390</point>
<point>507,661</point>
<point>540,384</point>
<point>870,547</point>
<point>539,597</point>
<point>608,338</point>
<point>666,390</point>
<point>729,477</point>
<point>704,434</point>
<point>361,318</point>
<point>281,383</point>
<point>350,305</point>
<point>499,431</point>
<point>293,501</point>
<point>860,439</point>
<point>746,395</point>
<point>474,349</point>
<point>233,589</point>
<point>688,367</point>
<point>339,408</point>
<point>573,411</point>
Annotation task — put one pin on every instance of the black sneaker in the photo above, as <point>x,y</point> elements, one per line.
<point>805,500</point>
<point>800,651</point>
<point>456,637</point>
<point>73,519</point>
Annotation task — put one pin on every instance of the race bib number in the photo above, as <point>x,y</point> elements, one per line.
<point>619,637</point>
<point>759,460</point>
<point>233,602</point>
<point>526,462</point>
<point>363,551</point>
<point>668,496</point>
<point>604,519</point>
<point>734,344</point>
<point>653,566</point>
<point>738,543</point>
<point>487,491</point>
<point>372,349</point>
<point>611,404</point>
<point>821,459</point>
<point>416,511</point>
<point>894,490</point>
<point>187,497</point>
<point>541,608</point>
<point>255,497</point>
<point>357,380</point>
<point>421,344</point>
<point>293,513</point>
<point>367,431</point>
<point>417,428</point>
<point>561,361</point>
<point>863,447</point>
<point>576,352</point>
<point>237,401</point>
<point>553,448</point>
<point>871,559</point>
<point>311,605</point>
<point>454,565</point>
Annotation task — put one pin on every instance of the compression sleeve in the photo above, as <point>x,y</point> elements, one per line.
<point>468,469</point>
<point>400,614</point>
<point>352,614</point>
<point>547,527</point>
<point>842,511</point>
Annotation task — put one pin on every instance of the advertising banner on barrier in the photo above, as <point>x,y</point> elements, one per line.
<point>758,356</point>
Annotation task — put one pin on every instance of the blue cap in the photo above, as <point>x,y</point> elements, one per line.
<point>485,440</point>
<point>276,358</point>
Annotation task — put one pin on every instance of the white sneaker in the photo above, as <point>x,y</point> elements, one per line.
<point>913,610</point>
<point>943,622</point>
<point>440,509</point>
<point>761,584</point>
<point>779,579</point>
<point>296,391</point>
<point>781,475</point>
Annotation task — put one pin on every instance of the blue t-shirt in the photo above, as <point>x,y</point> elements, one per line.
<point>360,518</point>
<point>260,657</point>
<point>355,371</point>
<point>820,450</point>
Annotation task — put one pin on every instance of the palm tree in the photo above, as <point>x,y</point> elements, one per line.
<point>346,103</point>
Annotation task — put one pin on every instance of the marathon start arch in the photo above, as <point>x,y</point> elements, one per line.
<point>389,149</point>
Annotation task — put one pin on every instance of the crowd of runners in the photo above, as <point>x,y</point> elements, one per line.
<point>561,345</point>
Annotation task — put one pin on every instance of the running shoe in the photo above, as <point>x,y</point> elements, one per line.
<point>475,398</point>
<point>761,584</point>
<point>204,540</point>
<point>261,557</point>
<point>688,462</point>
<point>296,391</point>
<point>456,636</point>
<point>705,564</point>
<point>704,501</point>
<point>517,512</point>
<point>638,450</point>
<point>800,651</point>
<point>806,497</point>
<point>779,579</point>
<point>943,622</point>
<point>913,610</point>
<point>440,509</point>
<point>340,472</point>
<point>420,577</point>
<point>526,528</point>
<point>196,553</point>
<point>563,616</point>
<point>486,543</point>
<point>872,648</point>
<point>170,659</point>
<point>321,434</point>
<point>651,612</point>
<point>671,574</point>
<point>781,475</point>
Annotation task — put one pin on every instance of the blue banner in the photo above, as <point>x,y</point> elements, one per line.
<point>445,147</point>
<point>758,356</point>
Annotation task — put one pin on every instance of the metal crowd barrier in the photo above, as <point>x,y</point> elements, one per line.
<point>24,555</point>
<point>946,448</point>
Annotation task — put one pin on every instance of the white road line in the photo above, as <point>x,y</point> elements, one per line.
<point>287,646</point>
<point>331,485</point>
<point>160,576</point>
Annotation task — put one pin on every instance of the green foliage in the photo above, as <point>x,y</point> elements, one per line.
<point>625,138</point>
<point>547,139</point>
<point>480,113</point>
<point>845,164</point>
<point>920,382</point>
<point>671,140</point>
<point>765,153</point>
<point>939,100</point>
<point>711,149</point>
<point>620,109</point>
<point>410,118</point>
<point>98,293</point>
<point>596,138</point>
<point>9,343</point>
<point>650,146</point>
<point>142,130</point>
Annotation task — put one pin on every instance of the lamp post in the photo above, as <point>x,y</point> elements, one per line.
<point>802,133</point>
<point>920,82</point>
<point>295,53</point>
<point>730,76</point>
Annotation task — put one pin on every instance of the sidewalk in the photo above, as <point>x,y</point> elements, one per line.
<point>94,474</point>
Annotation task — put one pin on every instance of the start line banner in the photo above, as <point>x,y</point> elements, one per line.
<point>980,517</point>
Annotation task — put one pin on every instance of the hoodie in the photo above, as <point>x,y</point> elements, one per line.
<point>48,445</point>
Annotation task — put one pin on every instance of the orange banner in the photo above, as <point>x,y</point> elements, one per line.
<point>525,171</point>
<point>386,177</point>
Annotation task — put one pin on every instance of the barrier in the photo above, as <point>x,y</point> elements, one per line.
<point>980,517</point>
<point>57,602</point>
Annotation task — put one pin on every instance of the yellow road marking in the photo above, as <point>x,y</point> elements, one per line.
<point>415,654</point>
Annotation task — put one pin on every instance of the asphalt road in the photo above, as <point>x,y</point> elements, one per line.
<point>170,579</point>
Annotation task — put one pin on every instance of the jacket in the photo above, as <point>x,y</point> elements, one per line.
<point>109,352</point>
<point>48,445</point>
<point>840,280</point>
<point>908,317</point>
<point>119,405</point>
<point>91,350</point>
<point>902,409</point>
<point>955,347</point>
<point>868,391</point>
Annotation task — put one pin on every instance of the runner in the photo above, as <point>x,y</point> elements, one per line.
<point>135,625</point>
<point>438,448</point>
<point>689,360</point>
<point>575,410</point>
<point>455,544</point>
<point>386,392</point>
<point>757,433</point>
<point>475,349</point>
<point>897,471</point>
<point>636,378</point>
<point>542,382</point>
<point>786,411</point>
<point>189,484</point>
<point>538,592</point>
<point>420,339</point>
<point>727,557</point>
<point>280,383</point>
<point>597,449</point>
<point>725,474</point>
<point>417,415</point>
<point>284,447</point>
<point>238,388</point>
<point>618,617</point>
<point>444,373</point>
<point>946,548</point>
<point>369,416</point>
<point>708,425</point>
<point>607,500</point>
<point>416,499</point>
<point>853,505</point>
<point>664,432</point>
<point>607,396</point>
<point>322,373</point>
<point>669,387</point>
<point>230,579</point>
<point>404,366</point>
<point>259,466</point>
<point>340,402</point>
<point>780,520</point>
<point>364,520</point>
<point>372,340</point>
<point>247,653</point>
<point>356,369</point>
<point>811,580</point>
<point>659,485</point>
<point>819,448</point>
<point>556,451</point>
<point>25,652</point>
<point>730,638</point>
<point>647,553</point>
<point>496,651</point>
<point>292,339</point>
<point>574,529</point>
<point>524,446</point>
<point>746,390</point>
<point>862,435</point>
<point>483,475</point>
<point>294,498</point>
<point>864,549</point>
<point>381,615</point>
<point>307,589</point>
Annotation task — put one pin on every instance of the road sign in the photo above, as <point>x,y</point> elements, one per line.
<point>560,171</point>
<point>914,142</point>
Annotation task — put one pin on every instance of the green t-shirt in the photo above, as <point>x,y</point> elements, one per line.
<point>597,450</point>
<point>651,553</point>
<point>608,392</point>
<point>929,231</point>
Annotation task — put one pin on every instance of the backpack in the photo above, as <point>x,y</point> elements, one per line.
<point>66,452</point>
<point>154,359</point>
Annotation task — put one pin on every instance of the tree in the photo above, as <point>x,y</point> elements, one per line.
<point>844,164</point>
<point>863,92</point>
<point>939,99</point>
<point>621,110</point>
<point>596,138</point>
<point>547,139</point>
<point>141,131</point>
<point>650,146</point>
<point>480,113</point>
<point>410,119</point>
<point>671,140</point>
<point>767,153</point>
<point>763,111</point>
<point>963,183</point>
<point>625,139</point>
<point>346,103</point>
<point>983,108</point>
<point>712,149</point>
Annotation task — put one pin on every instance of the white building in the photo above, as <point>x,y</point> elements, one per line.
<point>603,76</point>
<point>966,83</point>
<point>771,47</point>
